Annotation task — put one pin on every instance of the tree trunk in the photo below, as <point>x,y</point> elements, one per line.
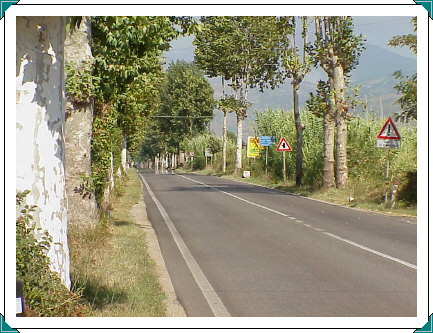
<point>299,174</point>
<point>124,166</point>
<point>328,180</point>
<point>341,174</point>
<point>238,165</point>
<point>224,141</point>
<point>40,120</point>
<point>82,208</point>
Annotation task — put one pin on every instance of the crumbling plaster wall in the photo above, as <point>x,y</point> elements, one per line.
<point>39,129</point>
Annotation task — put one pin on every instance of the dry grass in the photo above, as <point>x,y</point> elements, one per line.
<point>111,265</point>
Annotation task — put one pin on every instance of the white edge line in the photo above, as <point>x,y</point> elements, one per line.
<point>401,217</point>
<point>209,293</point>
<point>371,250</point>
<point>326,233</point>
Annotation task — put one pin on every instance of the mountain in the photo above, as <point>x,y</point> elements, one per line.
<point>373,74</point>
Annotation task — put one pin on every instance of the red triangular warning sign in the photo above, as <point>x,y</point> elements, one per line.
<point>283,145</point>
<point>389,131</point>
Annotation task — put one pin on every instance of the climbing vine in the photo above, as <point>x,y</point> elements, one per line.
<point>80,82</point>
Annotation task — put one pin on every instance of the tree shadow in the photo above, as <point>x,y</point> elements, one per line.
<point>118,223</point>
<point>100,296</point>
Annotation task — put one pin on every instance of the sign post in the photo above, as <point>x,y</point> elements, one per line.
<point>388,138</point>
<point>208,153</point>
<point>191,155</point>
<point>266,141</point>
<point>284,146</point>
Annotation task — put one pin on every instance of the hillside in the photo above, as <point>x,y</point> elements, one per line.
<point>373,75</point>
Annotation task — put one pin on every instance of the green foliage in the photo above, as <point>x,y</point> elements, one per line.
<point>406,86</point>
<point>319,102</point>
<point>281,124</point>
<point>366,162</point>
<point>188,95</point>
<point>232,104</point>
<point>198,143</point>
<point>106,142</point>
<point>42,288</point>
<point>128,68</point>
<point>242,49</point>
<point>409,40</point>
<point>336,44</point>
<point>73,23</point>
<point>79,83</point>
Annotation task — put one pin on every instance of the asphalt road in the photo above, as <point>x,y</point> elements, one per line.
<point>234,249</point>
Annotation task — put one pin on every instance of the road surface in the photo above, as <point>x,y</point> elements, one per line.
<point>235,249</point>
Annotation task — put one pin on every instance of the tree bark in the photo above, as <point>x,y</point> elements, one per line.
<point>238,165</point>
<point>224,141</point>
<point>328,180</point>
<point>124,145</point>
<point>82,208</point>
<point>341,174</point>
<point>299,136</point>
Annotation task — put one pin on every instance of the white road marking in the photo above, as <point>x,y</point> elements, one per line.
<point>371,250</point>
<point>235,196</point>
<point>209,293</point>
<point>299,221</point>
<point>322,201</point>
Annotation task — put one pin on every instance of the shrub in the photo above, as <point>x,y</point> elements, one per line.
<point>43,290</point>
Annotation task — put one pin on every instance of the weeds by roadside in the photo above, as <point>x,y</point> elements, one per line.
<point>111,265</point>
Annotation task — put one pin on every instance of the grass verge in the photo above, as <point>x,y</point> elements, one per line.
<point>110,263</point>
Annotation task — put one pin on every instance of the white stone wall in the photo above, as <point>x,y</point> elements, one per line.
<point>39,129</point>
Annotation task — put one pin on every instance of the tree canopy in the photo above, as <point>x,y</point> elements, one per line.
<point>407,85</point>
<point>187,102</point>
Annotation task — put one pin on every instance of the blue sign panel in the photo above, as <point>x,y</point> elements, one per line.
<point>267,140</point>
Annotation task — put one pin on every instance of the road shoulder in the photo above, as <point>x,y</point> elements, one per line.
<point>174,308</point>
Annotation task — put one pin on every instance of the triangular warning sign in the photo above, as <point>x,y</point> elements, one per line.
<point>283,145</point>
<point>389,131</point>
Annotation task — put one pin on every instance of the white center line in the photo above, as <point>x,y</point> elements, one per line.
<point>209,293</point>
<point>299,221</point>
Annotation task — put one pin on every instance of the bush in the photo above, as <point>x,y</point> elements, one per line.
<point>43,290</point>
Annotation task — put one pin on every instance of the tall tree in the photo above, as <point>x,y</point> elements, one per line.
<point>407,85</point>
<point>320,105</point>
<point>337,50</point>
<point>127,51</point>
<point>187,102</point>
<point>82,210</point>
<point>296,67</point>
<point>294,62</point>
<point>237,48</point>
<point>209,55</point>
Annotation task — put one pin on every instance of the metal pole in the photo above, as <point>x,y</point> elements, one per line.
<point>284,166</point>
<point>387,176</point>
<point>266,162</point>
